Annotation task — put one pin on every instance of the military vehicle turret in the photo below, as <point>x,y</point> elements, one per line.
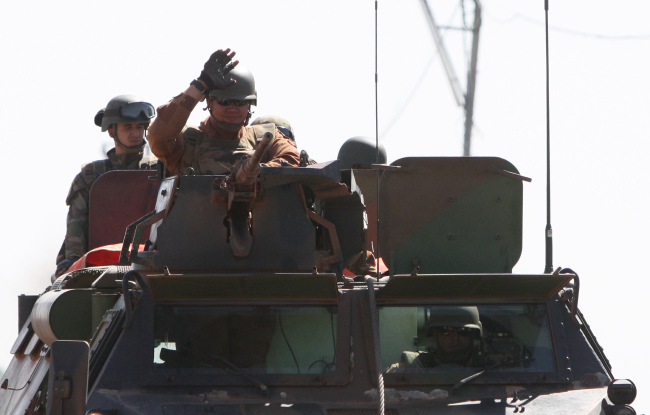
<point>241,297</point>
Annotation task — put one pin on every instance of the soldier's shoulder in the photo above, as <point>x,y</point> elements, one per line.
<point>148,161</point>
<point>408,362</point>
<point>84,180</point>
<point>258,130</point>
<point>411,359</point>
<point>90,171</point>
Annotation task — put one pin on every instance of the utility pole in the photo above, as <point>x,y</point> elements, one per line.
<point>471,80</point>
<point>465,100</point>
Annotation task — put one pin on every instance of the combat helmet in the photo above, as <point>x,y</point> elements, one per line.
<point>454,316</point>
<point>242,89</point>
<point>360,150</point>
<point>127,109</point>
<point>282,124</point>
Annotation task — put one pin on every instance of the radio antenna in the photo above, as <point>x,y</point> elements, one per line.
<point>549,230</point>
<point>377,171</point>
<point>381,399</point>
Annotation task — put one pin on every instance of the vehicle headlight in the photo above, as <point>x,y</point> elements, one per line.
<point>621,392</point>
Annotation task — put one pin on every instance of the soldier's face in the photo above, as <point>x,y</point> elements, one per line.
<point>453,340</point>
<point>231,113</point>
<point>130,135</point>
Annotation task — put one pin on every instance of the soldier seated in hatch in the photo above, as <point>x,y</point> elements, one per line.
<point>457,331</point>
<point>223,139</point>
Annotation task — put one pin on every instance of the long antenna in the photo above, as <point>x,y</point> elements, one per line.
<point>377,171</point>
<point>549,230</point>
<point>381,410</point>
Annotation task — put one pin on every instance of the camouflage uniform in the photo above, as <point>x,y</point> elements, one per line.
<point>205,148</point>
<point>76,238</point>
<point>285,128</point>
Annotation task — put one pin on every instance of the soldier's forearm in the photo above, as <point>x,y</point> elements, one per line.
<point>282,150</point>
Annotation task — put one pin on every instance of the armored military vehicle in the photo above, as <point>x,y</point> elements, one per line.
<point>261,297</point>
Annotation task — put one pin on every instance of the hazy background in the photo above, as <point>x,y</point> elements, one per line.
<point>314,64</point>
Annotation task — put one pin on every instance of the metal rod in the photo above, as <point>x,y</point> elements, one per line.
<point>377,346</point>
<point>377,172</point>
<point>549,230</point>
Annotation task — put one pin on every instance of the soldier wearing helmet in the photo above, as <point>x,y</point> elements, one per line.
<point>456,331</point>
<point>223,138</point>
<point>283,125</point>
<point>361,151</point>
<point>126,118</point>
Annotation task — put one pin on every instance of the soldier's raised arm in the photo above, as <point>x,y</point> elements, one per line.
<point>223,138</point>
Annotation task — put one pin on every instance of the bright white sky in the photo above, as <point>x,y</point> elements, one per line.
<point>314,65</point>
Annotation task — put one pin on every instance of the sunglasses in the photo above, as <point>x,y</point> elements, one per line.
<point>461,331</point>
<point>135,109</point>
<point>226,102</point>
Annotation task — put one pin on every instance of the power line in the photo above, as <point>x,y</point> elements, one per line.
<point>416,87</point>
<point>409,98</point>
<point>519,16</point>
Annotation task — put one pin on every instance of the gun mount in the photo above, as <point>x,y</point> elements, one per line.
<point>186,324</point>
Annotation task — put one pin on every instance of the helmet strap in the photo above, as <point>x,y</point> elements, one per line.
<point>226,126</point>
<point>250,114</point>
<point>131,149</point>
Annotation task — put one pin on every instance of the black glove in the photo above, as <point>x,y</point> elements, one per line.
<point>215,71</point>
<point>63,266</point>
